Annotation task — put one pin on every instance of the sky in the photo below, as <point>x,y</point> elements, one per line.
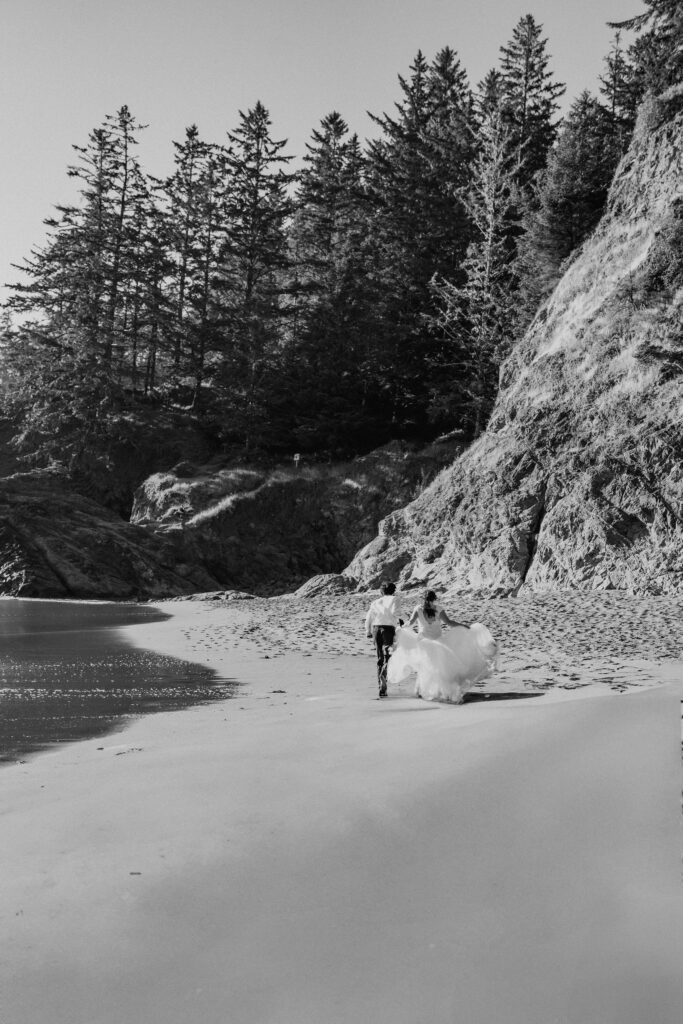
<point>66,64</point>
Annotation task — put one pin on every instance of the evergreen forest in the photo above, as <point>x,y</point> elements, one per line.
<point>369,295</point>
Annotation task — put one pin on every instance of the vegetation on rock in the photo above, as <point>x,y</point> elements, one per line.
<point>243,312</point>
<point>578,480</point>
<point>283,311</point>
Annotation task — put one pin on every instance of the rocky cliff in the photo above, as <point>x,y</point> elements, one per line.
<point>578,480</point>
<point>197,529</point>
<point>54,543</point>
<point>268,531</point>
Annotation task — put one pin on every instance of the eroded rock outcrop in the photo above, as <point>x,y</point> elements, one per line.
<point>54,543</point>
<point>197,530</point>
<point>325,585</point>
<point>270,531</point>
<point>578,480</point>
<point>186,491</point>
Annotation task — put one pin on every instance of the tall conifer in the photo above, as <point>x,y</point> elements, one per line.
<point>472,326</point>
<point>196,224</point>
<point>569,199</point>
<point>255,261</point>
<point>489,94</point>
<point>621,90</point>
<point>332,403</point>
<point>417,170</point>
<point>322,205</point>
<point>79,304</point>
<point>530,96</point>
<point>657,53</point>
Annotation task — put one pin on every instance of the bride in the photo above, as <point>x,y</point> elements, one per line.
<point>445,665</point>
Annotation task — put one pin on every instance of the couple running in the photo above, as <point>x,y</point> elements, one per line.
<point>383,619</point>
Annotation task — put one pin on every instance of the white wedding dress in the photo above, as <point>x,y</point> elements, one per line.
<point>446,668</point>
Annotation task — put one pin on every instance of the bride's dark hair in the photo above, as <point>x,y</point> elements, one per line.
<point>429,600</point>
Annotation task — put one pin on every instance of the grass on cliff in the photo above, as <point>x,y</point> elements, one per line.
<point>195,494</point>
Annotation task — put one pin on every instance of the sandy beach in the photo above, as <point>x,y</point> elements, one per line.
<point>307,854</point>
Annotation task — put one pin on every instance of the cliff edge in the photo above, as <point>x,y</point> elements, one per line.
<point>578,480</point>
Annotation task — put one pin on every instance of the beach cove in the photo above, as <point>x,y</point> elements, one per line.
<point>306,853</point>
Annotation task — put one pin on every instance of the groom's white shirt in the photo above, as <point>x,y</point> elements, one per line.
<point>382,612</point>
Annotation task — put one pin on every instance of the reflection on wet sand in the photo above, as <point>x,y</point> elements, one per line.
<point>66,674</point>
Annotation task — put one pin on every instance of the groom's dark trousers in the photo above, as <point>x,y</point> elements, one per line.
<point>384,639</point>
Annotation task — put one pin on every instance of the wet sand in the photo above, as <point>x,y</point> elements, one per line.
<point>307,853</point>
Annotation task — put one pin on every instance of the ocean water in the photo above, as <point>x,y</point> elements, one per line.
<point>66,674</point>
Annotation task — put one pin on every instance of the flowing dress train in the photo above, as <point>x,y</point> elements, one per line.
<point>446,668</point>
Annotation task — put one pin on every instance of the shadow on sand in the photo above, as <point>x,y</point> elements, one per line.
<point>471,698</point>
<point>398,700</point>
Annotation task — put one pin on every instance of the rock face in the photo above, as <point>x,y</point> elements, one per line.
<point>326,584</point>
<point>185,492</point>
<point>578,480</point>
<point>204,531</point>
<point>268,532</point>
<point>55,543</point>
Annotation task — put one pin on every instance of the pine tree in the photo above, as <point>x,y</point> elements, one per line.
<point>418,167</point>
<point>489,95</point>
<point>322,206</point>
<point>148,310</point>
<point>331,404</point>
<point>473,325</point>
<point>657,53</point>
<point>254,269</point>
<point>128,204</point>
<point>449,137</point>
<point>569,199</point>
<point>529,97</point>
<point>81,281</point>
<point>66,278</point>
<point>397,180</point>
<point>622,93</point>
<point>79,304</point>
<point>195,199</point>
<point>182,195</point>
<point>10,374</point>
<point>419,226</point>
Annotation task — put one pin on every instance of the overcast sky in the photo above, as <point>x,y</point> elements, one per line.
<point>65,64</point>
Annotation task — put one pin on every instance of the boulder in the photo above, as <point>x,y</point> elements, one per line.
<point>330,583</point>
<point>222,596</point>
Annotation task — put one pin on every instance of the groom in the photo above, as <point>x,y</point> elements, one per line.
<point>380,625</point>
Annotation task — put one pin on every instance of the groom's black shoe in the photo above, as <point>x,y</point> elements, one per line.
<point>383,691</point>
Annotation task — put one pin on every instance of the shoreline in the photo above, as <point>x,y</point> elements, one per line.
<point>319,855</point>
<point>557,644</point>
